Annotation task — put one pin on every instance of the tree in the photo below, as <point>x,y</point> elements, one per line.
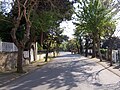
<point>72,46</point>
<point>79,33</point>
<point>21,12</point>
<point>93,15</point>
<point>22,15</point>
<point>53,40</point>
<point>109,31</point>
<point>50,18</point>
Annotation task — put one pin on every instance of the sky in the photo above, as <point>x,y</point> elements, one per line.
<point>68,28</point>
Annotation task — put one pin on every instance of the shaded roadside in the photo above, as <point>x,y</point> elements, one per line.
<point>114,69</point>
<point>6,77</point>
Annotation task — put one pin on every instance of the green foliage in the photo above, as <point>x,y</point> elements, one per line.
<point>103,51</point>
<point>44,21</point>
<point>71,45</point>
<point>64,46</point>
<point>95,18</point>
<point>94,15</point>
<point>55,37</point>
<point>5,27</point>
<point>39,47</point>
<point>46,18</point>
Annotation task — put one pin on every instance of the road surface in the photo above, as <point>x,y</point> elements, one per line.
<point>67,72</point>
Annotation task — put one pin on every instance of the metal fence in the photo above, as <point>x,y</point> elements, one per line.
<point>7,47</point>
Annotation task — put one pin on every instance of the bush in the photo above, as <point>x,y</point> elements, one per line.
<point>103,51</point>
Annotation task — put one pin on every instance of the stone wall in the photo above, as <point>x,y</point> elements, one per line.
<point>7,60</point>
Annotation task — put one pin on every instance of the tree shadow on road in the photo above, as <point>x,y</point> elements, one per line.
<point>57,75</point>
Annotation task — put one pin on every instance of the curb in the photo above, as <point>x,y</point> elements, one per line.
<point>106,67</point>
<point>109,69</point>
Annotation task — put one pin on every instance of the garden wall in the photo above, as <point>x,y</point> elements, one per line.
<point>8,61</point>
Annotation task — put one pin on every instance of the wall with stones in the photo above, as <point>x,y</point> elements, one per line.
<point>8,61</point>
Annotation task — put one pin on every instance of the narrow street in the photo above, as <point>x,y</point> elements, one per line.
<point>67,72</point>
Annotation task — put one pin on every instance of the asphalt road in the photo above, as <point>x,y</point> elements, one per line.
<point>67,72</point>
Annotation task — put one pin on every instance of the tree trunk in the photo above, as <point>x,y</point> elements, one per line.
<point>86,47</point>
<point>46,58</point>
<point>35,55</point>
<point>110,51</point>
<point>81,47</point>
<point>20,60</point>
<point>29,56</point>
<point>34,51</point>
<point>111,63</point>
<point>41,38</point>
<point>98,47</point>
<point>48,49</point>
<point>78,48</point>
<point>57,50</point>
<point>93,48</point>
<point>54,54</point>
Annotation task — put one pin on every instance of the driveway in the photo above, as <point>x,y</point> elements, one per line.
<point>67,72</point>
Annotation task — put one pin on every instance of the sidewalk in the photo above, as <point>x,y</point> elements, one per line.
<point>7,77</point>
<point>114,69</point>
